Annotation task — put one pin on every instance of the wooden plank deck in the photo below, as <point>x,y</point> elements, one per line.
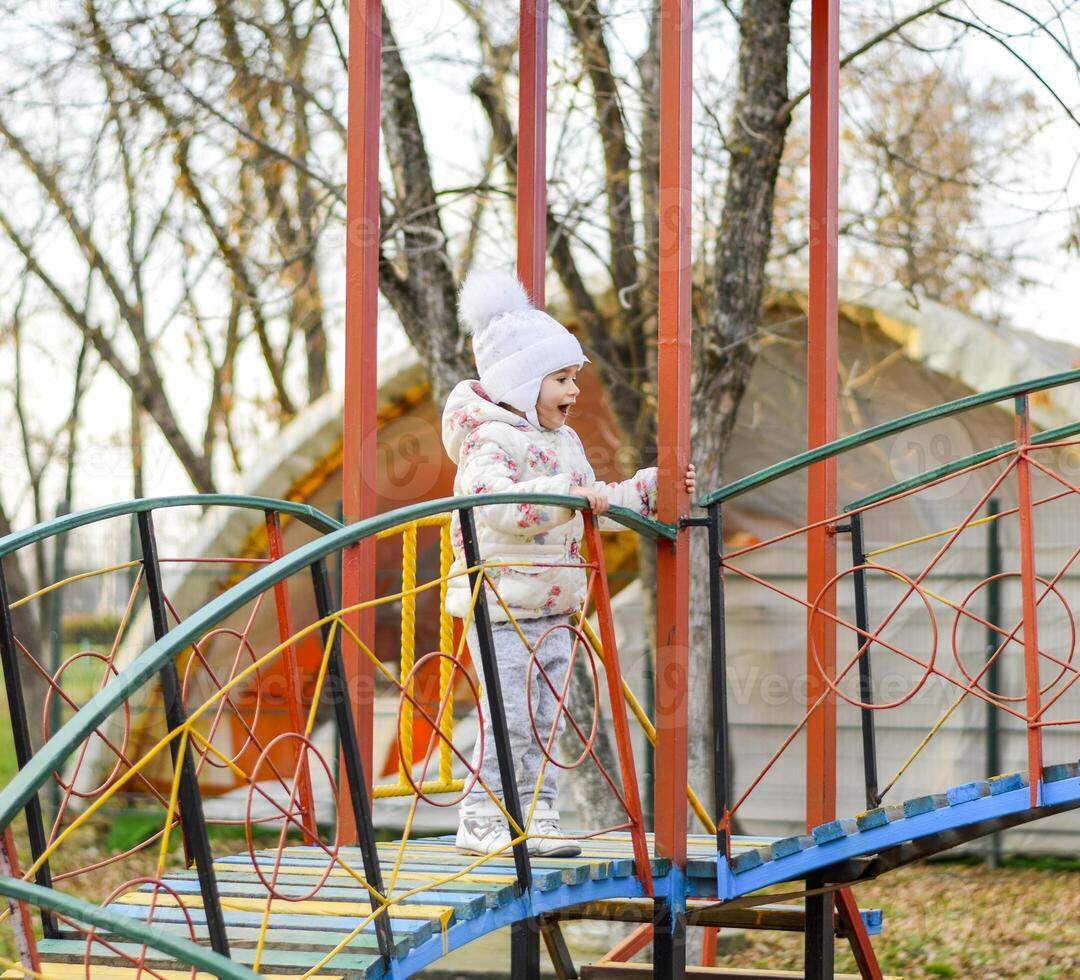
<point>440,901</point>
<point>443,899</point>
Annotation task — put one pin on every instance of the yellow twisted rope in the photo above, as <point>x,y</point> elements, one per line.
<point>446,667</point>
<point>408,645</point>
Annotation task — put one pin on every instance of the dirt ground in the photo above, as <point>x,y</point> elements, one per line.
<point>952,920</point>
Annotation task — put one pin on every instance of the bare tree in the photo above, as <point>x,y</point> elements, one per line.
<point>222,135</point>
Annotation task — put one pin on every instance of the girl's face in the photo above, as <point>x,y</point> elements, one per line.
<point>558,392</point>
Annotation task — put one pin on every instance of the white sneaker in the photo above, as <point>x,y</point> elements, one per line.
<point>482,833</point>
<point>546,843</point>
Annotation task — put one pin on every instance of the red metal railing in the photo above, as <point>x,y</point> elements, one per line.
<point>909,626</point>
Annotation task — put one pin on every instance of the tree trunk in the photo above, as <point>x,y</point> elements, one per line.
<point>419,282</point>
<point>725,343</point>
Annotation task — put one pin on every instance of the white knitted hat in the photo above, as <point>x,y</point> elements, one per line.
<point>515,344</point>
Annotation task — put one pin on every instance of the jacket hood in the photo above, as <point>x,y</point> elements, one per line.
<point>467,408</point>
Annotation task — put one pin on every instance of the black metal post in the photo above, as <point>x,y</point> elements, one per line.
<point>24,749</point>
<point>669,940</point>
<point>993,640</point>
<point>721,731</point>
<point>56,610</point>
<point>525,937</point>
<point>866,685</point>
<point>337,690</point>
<point>192,818</point>
<point>820,933</point>
<point>525,949</point>
<point>648,780</point>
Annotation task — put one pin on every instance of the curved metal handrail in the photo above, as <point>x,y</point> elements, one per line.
<point>810,456</point>
<point>958,465</point>
<point>146,666</point>
<point>309,515</point>
<point>80,910</point>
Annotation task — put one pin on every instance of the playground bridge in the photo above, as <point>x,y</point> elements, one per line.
<point>186,721</point>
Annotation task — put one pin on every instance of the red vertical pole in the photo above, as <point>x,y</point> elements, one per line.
<point>25,940</point>
<point>821,365</point>
<point>673,557</point>
<point>822,355</point>
<point>361,334</point>
<point>619,721</point>
<point>1028,587</point>
<point>532,148</point>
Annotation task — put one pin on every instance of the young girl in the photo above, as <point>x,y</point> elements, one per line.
<point>507,432</point>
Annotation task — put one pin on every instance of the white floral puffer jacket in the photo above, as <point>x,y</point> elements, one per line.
<point>497,451</point>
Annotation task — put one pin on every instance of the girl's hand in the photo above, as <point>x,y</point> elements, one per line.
<point>691,480</point>
<point>598,499</point>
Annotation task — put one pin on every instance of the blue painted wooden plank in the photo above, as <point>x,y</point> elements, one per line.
<point>873,919</point>
<point>421,929</point>
<point>1063,793</point>
<point>280,936</point>
<point>68,950</point>
<point>465,906</point>
<point>1007,782</point>
<point>968,792</point>
<point>336,889</point>
<point>701,867</point>
<point>1058,795</point>
<point>532,904</point>
<point>542,878</point>
<point>747,860</point>
<point>787,846</point>
<point>1064,770</point>
<point>834,830</point>
<point>924,804</point>
<point>597,868</point>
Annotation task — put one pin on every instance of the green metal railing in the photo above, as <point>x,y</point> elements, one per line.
<point>148,666</point>
<point>802,460</point>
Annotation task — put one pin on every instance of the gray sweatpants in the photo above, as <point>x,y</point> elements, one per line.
<point>512,658</point>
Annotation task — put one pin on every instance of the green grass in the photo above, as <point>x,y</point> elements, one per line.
<point>1018,862</point>
<point>8,764</point>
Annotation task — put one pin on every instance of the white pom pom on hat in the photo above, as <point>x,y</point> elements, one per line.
<point>515,345</point>
<point>486,295</point>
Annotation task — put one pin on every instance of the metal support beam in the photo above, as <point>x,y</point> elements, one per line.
<point>192,818</point>
<point>674,417</point>
<point>673,435</point>
<point>993,673</point>
<point>531,265</point>
<point>532,148</point>
<point>847,911</point>
<point>818,963</point>
<point>1031,605</point>
<point>669,939</point>
<point>866,680</point>
<point>821,390</point>
<point>524,935</point>
<point>356,788</point>
<point>721,731</point>
<point>294,686</point>
<point>525,949</point>
<point>620,722</point>
<point>557,949</point>
<point>24,748</point>
<point>361,377</point>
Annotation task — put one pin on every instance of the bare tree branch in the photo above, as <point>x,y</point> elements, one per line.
<point>788,107</point>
